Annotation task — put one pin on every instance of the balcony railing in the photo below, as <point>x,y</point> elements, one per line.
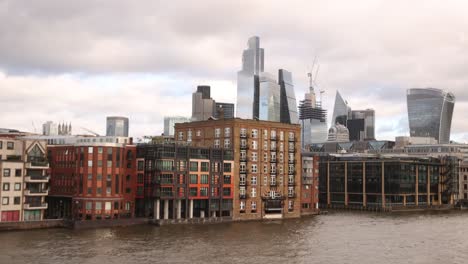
<point>291,140</point>
<point>291,161</point>
<point>35,205</point>
<point>291,195</point>
<point>244,147</point>
<point>242,196</point>
<point>273,184</point>
<point>243,135</point>
<point>243,159</point>
<point>291,183</point>
<point>37,178</point>
<point>273,138</point>
<point>40,163</point>
<point>243,183</point>
<point>36,192</point>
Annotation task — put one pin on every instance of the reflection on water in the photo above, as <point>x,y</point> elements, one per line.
<point>345,237</point>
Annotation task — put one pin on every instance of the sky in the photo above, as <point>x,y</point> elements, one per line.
<point>80,61</point>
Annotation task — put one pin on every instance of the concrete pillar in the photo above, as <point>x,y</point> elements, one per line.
<point>364,195</point>
<point>190,209</point>
<point>417,186</point>
<point>346,184</point>
<point>404,200</point>
<point>328,184</point>
<point>428,187</point>
<point>213,214</point>
<point>179,209</point>
<point>202,214</point>
<point>383,184</point>
<point>166,209</point>
<point>156,209</point>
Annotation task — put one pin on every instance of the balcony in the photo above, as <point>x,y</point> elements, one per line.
<point>35,206</point>
<point>243,135</point>
<point>243,159</point>
<point>291,183</point>
<point>273,160</point>
<point>37,179</point>
<point>292,172</point>
<point>243,183</point>
<point>291,140</point>
<point>291,149</point>
<point>291,195</point>
<point>273,138</point>
<point>243,196</point>
<point>291,161</point>
<point>36,192</point>
<point>37,164</point>
<point>273,184</point>
<point>307,180</point>
<point>244,147</point>
<point>273,149</point>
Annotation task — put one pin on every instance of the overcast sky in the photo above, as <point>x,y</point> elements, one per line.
<point>79,61</point>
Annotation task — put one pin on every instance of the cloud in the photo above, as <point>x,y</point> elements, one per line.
<point>85,59</point>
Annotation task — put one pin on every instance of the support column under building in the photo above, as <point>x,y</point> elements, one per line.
<point>383,184</point>
<point>346,184</point>
<point>166,209</point>
<point>156,209</point>
<point>364,195</point>
<point>191,209</point>
<point>179,209</point>
<point>428,188</point>
<point>416,199</point>
<point>328,184</point>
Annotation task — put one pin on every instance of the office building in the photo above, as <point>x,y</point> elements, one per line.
<point>386,182</point>
<point>313,120</point>
<point>261,95</point>
<point>183,182</point>
<point>430,113</point>
<point>24,179</point>
<point>338,133</point>
<point>227,110</point>
<point>117,126</point>
<point>309,183</point>
<point>203,106</point>
<point>170,121</point>
<point>50,128</point>
<point>267,163</point>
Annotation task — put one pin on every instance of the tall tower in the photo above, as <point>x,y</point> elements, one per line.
<point>248,79</point>
<point>430,113</point>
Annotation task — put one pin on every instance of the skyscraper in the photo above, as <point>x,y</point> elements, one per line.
<point>252,66</point>
<point>203,106</point>
<point>170,121</point>
<point>288,98</point>
<point>117,126</point>
<point>228,110</point>
<point>261,95</point>
<point>313,120</point>
<point>430,113</point>
<point>341,110</point>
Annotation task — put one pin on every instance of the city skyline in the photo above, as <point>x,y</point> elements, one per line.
<point>124,70</point>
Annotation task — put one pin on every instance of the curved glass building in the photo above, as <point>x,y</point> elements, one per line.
<point>430,113</point>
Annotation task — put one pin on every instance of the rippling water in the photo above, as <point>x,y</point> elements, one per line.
<point>344,237</point>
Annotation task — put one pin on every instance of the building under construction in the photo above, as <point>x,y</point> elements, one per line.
<point>365,181</point>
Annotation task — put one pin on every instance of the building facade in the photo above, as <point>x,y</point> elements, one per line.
<point>309,183</point>
<point>183,182</point>
<point>430,113</point>
<point>117,126</point>
<point>313,120</point>
<point>24,179</point>
<point>203,106</point>
<point>93,181</point>
<point>227,110</point>
<point>371,181</point>
<point>288,103</point>
<point>170,121</point>
<point>267,163</point>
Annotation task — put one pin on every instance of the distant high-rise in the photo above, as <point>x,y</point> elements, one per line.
<point>288,98</point>
<point>50,128</point>
<point>170,121</point>
<point>430,113</point>
<point>228,110</point>
<point>203,106</point>
<point>117,126</point>
<point>260,95</point>
<point>313,120</point>
<point>341,110</point>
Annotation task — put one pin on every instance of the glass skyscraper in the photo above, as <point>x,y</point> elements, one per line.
<point>313,120</point>
<point>261,95</point>
<point>117,126</point>
<point>341,110</point>
<point>430,113</point>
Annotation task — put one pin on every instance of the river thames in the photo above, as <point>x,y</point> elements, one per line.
<point>338,237</point>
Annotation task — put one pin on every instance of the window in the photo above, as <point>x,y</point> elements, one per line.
<point>198,133</point>
<point>18,173</point>
<point>265,134</point>
<point>90,150</point>
<point>141,165</point>
<point>253,180</point>
<point>5,201</point>
<point>254,168</point>
<point>193,191</point>
<point>227,191</point>
<point>109,164</point>
<point>227,167</point>
<point>189,135</point>
<point>254,156</point>
<point>10,145</point>
<point>6,186</point>
<point>205,166</point>
<point>17,186</point>
<point>281,135</point>
<point>99,163</point>
<point>217,132</point>
<point>90,163</point>
<point>193,179</point>
<point>227,179</point>
<point>204,179</point>
<point>216,143</point>
<point>90,177</point>
<point>291,191</point>
<point>242,167</point>
<point>140,178</point>
<point>253,192</point>
<point>1,144</point>
<point>254,206</point>
<point>98,205</point>
<point>108,206</point>
<point>99,190</point>
<point>203,191</point>
<point>227,132</point>
<point>180,135</point>
<point>290,205</point>
<point>254,133</point>
<point>6,172</point>
<point>100,150</point>
<point>254,144</point>
<point>90,190</point>
<point>227,143</point>
<point>89,205</point>
<point>242,179</point>
<point>17,200</point>
<point>193,166</point>
<point>243,132</point>
<point>242,206</point>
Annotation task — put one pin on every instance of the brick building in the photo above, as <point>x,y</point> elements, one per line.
<point>267,163</point>
<point>309,183</point>
<point>93,180</point>
<point>183,182</point>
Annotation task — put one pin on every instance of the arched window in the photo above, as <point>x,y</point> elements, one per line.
<point>36,154</point>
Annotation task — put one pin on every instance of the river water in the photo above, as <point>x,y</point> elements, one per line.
<point>338,237</point>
